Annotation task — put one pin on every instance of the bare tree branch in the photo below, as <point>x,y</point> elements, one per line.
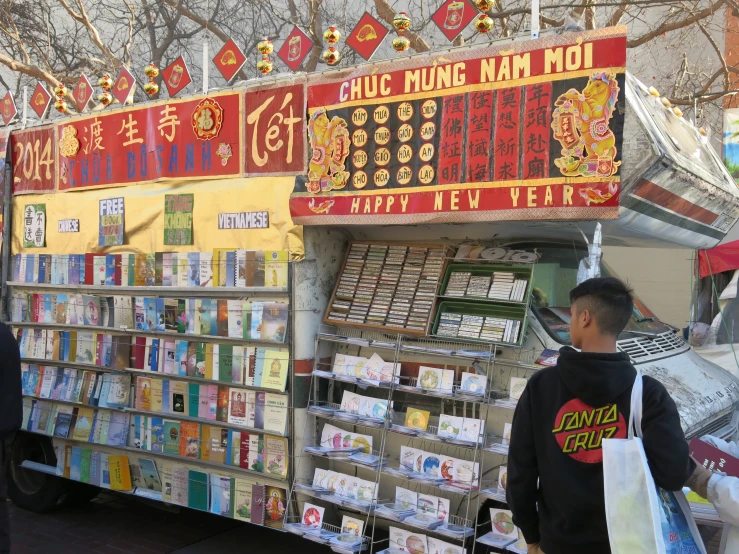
<point>673,26</point>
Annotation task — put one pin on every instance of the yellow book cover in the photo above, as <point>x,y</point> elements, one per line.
<point>120,473</point>
<point>218,436</point>
<point>275,456</point>
<point>274,374</point>
<point>275,268</point>
<point>67,459</point>
<point>219,266</point>
<point>139,268</point>
<point>205,443</point>
<point>209,361</point>
<point>72,347</point>
<point>417,419</point>
<point>156,395</point>
<point>83,425</point>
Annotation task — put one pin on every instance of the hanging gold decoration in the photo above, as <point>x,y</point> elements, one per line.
<point>105,82</point>
<point>401,44</point>
<point>484,23</point>
<point>105,98</point>
<point>264,66</point>
<point>60,106</point>
<point>484,5</point>
<point>332,35</point>
<point>60,91</point>
<point>265,47</point>
<point>151,71</point>
<point>331,56</point>
<point>402,22</point>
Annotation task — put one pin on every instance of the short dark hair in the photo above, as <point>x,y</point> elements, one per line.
<point>608,299</point>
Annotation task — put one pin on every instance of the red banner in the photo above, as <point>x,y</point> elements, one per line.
<point>527,130</point>
<point>275,130</point>
<point>32,154</point>
<point>505,158</point>
<point>179,139</point>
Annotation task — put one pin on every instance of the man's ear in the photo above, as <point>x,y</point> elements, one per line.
<point>585,317</point>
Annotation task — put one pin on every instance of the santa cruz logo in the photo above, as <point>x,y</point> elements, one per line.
<point>580,429</point>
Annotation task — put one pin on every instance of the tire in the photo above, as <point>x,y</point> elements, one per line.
<point>33,490</point>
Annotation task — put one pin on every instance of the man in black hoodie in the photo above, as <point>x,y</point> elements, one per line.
<point>555,456</point>
<point>11,416</point>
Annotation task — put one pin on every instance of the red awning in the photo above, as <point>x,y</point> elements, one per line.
<point>719,259</point>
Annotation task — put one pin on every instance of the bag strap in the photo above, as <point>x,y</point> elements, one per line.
<point>636,408</point>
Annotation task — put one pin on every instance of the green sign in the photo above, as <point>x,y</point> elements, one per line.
<point>34,226</point>
<point>178,218</point>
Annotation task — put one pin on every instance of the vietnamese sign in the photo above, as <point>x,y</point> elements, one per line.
<point>179,139</point>
<point>178,218</point>
<point>528,131</point>
<point>112,221</point>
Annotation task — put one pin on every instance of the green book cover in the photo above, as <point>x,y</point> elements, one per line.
<point>200,360</point>
<point>85,455</point>
<point>131,270</point>
<point>197,494</point>
<point>181,315</point>
<point>172,437</point>
<point>225,362</point>
<point>205,317</point>
<point>193,395</point>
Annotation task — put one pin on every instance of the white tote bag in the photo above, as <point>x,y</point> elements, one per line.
<point>642,518</point>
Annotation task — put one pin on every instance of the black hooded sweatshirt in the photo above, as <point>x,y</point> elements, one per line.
<point>11,401</point>
<point>561,419</point>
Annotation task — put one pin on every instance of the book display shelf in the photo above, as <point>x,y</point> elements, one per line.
<point>174,393</point>
<point>399,430</point>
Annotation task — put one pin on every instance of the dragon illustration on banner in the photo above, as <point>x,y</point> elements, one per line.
<point>329,142</point>
<point>581,124</point>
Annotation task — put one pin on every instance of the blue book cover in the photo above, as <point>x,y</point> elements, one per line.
<point>118,430</point>
<point>258,366</point>
<point>75,464</point>
<point>193,269</point>
<point>150,314</point>
<point>165,396</point>
<point>73,264</point>
<point>16,267</point>
<point>157,434</point>
<point>231,269</point>
<point>48,306</point>
<point>104,391</point>
<point>64,346</point>
<point>55,269</point>
<point>110,270</point>
<point>30,265</point>
<point>153,360</point>
<point>82,268</point>
<point>41,268</point>
<point>214,318</point>
<point>63,264</point>
<point>107,347</point>
<point>181,356</point>
<point>96,419</point>
<point>160,314</point>
<point>29,380</point>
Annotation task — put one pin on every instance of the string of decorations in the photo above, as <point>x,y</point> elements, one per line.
<point>331,55</point>
<point>265,47</point>
<point>402,23</point>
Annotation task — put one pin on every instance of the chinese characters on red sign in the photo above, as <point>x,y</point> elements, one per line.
<point>178,139</point>
<point>514,137</point>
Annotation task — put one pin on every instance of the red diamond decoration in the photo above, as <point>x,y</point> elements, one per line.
<point>229,60</point>
<point>82,93</point>
<point>295,49</point>
<point>7,108</point>
<point>453,16</point>
<point>40,100</point>
<point>367,36</point>
<point>123,85</point>
<point>176,76</point>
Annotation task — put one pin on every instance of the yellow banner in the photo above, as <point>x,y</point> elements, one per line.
<point>144,220</point>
